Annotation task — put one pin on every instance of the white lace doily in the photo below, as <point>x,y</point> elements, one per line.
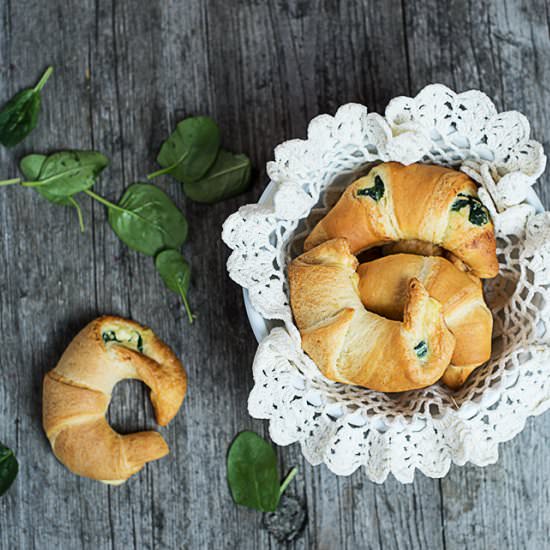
<point>347,426</point>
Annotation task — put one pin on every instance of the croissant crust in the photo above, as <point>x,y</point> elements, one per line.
<point>77,392</point>
<point>383,286</point>
<point>353,345</point>
<point>419,202</point>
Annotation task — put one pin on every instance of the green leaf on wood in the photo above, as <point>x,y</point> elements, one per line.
<point>176,275</point>
<point>30,167</point>
<point>146,219</point>
<point>252,473</point>
<point>19,116</point>
<point>65,173</point>
<point>60,176</point>
<point>190,150</point>
<point>228,176</point>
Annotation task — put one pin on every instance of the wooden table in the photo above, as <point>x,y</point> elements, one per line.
<point>126,71</point>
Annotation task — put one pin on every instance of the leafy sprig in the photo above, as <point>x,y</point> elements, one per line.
<point>175,272</point>
<point>192,155</point>
<point>19,116</point>
<point>190,150</point>
<point>228,176</point>
<point>145,218</point>
<point>60,176</point>
<point>252,473</point>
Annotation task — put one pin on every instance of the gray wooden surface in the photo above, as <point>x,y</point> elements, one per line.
<point>126,71</point>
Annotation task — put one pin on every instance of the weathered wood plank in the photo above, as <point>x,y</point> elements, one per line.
<point>501,48</point>
<point>48,278</point>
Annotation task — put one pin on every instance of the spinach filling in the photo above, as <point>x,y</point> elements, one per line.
<point>376,192</point>
<point>135,339</point>
<point>478,213</point>
<point>139,344</point>
<point>421,349</point>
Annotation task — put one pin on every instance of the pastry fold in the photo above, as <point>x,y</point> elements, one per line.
<point>383,287</point>
<point>77,392</point>
<point>419,202</point>
<point>350,344</point>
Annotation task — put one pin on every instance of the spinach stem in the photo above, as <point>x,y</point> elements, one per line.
<point>34,183</point>
<point>183,295</point>
<point>39,183</point>
<point>43,79</point>
<point>287,480</point>
<point>10,182</point>
<point>168,169</point>
<point>78,213</point>
<point>103,201</point>
<point>161,172</point>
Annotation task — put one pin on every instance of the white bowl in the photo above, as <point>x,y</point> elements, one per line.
<point>347,427</point>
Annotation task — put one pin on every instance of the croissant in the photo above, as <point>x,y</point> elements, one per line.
<point>383,287</point>
<point>352,345</point>
<point>418,202</point>
<point>422,248</point>
<point>76,395</point>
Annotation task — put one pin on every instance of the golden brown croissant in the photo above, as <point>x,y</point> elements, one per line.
<point>383,288</point>
<point>77,392</point>
<point>352,345</point>
<point>422,248</point>
<point>422,202</point>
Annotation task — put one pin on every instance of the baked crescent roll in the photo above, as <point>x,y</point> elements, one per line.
<point>422,248</point>
<point>77,392</point>
<point>422,202</point>
<point>383,287</point>
<point>352,345</point>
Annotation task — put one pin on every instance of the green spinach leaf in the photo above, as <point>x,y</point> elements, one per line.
<point>19,116</point>
<point>65,173</point>
<point>190,150</point>
<point>176,275</point>
<point>376,192</point>
<point>30,167</point>
<point>8,468</point>
<point>59,176</point>
<point>228,176</point>
<point>252,473</point>
<point>111,336</point>
<point>478,215</point>
<point>146,219</point>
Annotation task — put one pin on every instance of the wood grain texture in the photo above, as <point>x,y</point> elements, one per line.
<point>126,71</point>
